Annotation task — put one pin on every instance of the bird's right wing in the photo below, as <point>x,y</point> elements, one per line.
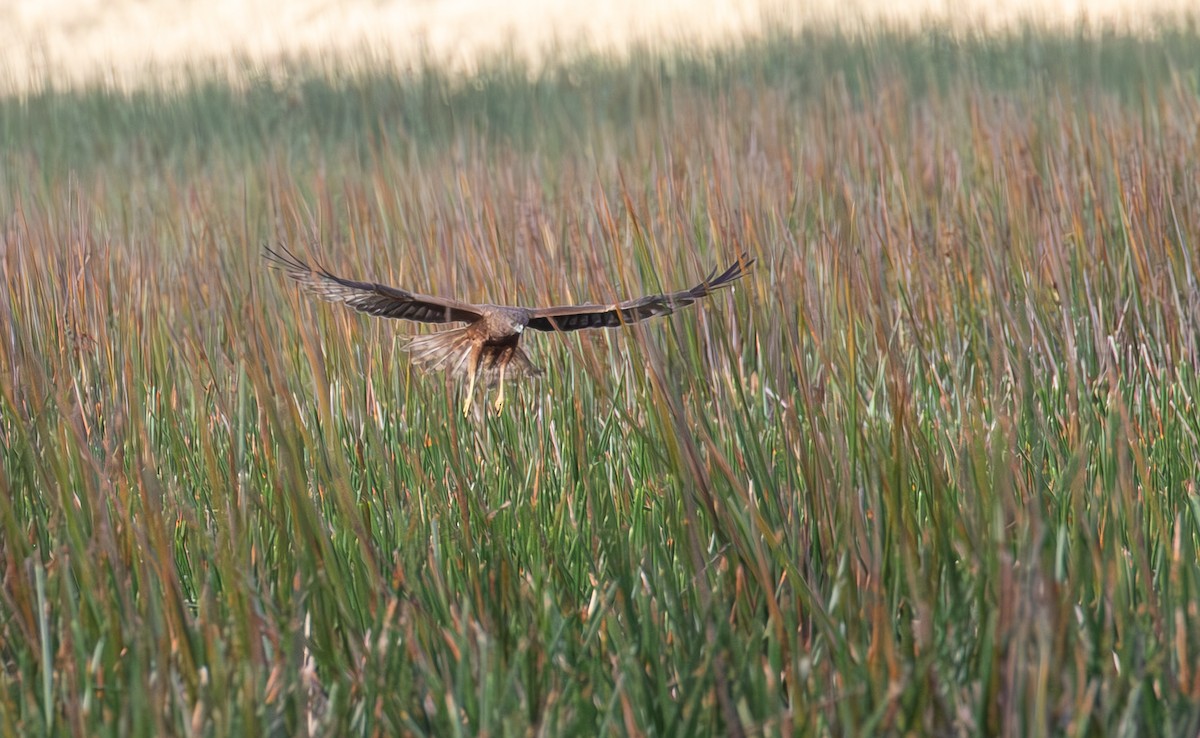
<point>369,297</point>
<point>577,317</point>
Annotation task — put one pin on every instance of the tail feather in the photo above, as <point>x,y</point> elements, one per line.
<point>459,366</point>
<point>454,351</point>
<point>521,366</point>
<point>450,350</point>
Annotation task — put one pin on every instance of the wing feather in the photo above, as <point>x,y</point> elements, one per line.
<point>578,317</point>
<point>370,297</point>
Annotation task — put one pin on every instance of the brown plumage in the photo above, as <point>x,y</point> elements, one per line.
<point>489,344</point>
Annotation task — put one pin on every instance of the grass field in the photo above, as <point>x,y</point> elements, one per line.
<point>931,469</point>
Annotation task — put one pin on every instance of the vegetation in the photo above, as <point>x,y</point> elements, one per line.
<point>931,469</point>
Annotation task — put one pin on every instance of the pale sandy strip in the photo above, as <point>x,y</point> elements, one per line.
<point>127,42</point>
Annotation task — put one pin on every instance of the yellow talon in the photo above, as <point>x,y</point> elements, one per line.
<point>499,406</point>
<point>470,393</point>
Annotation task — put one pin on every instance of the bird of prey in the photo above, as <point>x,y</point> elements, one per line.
<point>489,343</point>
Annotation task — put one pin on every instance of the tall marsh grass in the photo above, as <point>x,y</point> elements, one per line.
<point>931,469</point>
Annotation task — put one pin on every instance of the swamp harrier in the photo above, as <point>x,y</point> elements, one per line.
<point>488,344</point>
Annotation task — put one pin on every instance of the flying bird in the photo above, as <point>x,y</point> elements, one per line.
<point>489,343</point>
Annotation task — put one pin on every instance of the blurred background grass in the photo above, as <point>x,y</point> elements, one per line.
<point>930,469</point>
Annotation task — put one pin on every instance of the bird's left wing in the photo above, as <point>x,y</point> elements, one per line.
<point>369,297</point>
<point>577,317</point>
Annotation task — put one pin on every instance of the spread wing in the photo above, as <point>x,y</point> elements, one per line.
<point>369,297</point>
<point>577,317</point>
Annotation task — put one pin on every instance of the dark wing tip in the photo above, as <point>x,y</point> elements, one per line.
<point>286,261</point>
<point>283,259</point>
<point>738,269</point>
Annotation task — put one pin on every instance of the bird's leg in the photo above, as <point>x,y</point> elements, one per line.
<point>500,398</point>
<point>470,394</point>
<point>471,386</point>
